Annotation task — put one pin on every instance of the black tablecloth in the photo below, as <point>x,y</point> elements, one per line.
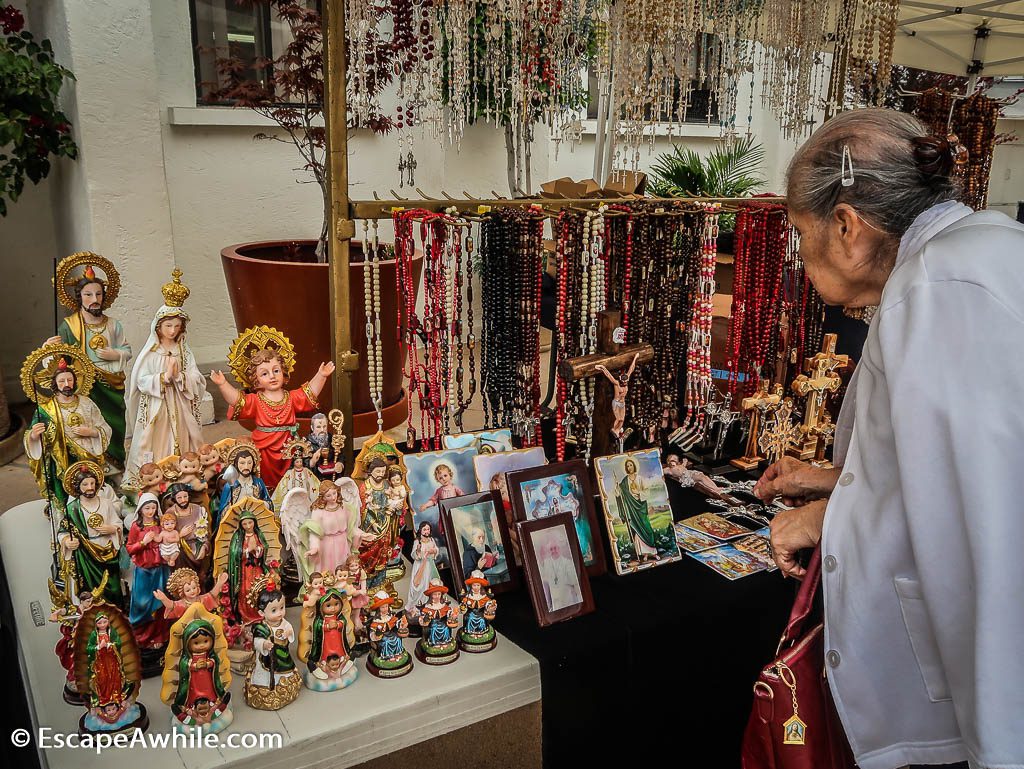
<point>667,659</point>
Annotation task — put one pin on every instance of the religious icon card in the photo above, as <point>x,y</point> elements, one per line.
<point>553,565</point>
<point>637,513</point>
<point>729,562</point>
<point>539,492</point>
<point>433,476</point>
<point>757,546</point>
<point>693,541</point>
<point>478,540</point>
<point>716,526</point>
<point>484,441</point>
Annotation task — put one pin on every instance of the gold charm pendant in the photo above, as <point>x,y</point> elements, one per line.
<point>794,731</point>
<point>98,342</point>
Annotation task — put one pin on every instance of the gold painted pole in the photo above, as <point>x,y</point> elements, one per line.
<point>341,228</point>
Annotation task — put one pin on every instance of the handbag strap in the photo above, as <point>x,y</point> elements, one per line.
<point>804,599</point>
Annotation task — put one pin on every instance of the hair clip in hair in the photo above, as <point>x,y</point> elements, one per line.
<point>847,170</point>
<point>957,151</point>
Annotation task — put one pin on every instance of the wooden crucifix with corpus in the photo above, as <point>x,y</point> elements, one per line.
<point>757,405</point>
<point>822,378</point>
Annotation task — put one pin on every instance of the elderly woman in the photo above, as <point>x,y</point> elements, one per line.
<point>920,527</point>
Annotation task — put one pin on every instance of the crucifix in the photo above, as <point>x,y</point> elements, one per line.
<point>825,431</point>
<point>758,406</point>
<point>723,416</point>
<point>780,433</point>
<point>821,379</point>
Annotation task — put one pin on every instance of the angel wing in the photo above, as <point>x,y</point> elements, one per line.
<point>294,512</point>
<point>349,492</point>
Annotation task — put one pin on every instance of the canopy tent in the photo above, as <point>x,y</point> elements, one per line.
<point>978,40</point>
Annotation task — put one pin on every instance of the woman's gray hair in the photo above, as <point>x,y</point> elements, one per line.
<point>897,171</point>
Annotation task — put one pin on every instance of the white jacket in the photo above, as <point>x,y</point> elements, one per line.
<point>923,542</point>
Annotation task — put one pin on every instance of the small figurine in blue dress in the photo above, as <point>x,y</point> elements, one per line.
<point>440,620</point>
<point>388,657</point>
<point>480,608</point>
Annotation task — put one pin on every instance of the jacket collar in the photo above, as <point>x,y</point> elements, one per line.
<point>928,224</point>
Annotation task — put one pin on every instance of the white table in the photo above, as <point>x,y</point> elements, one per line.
<point>371,718</point>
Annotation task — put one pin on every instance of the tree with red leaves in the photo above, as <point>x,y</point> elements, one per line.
<point>292,95</point>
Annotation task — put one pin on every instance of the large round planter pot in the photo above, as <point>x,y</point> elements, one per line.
<point>280,284</point>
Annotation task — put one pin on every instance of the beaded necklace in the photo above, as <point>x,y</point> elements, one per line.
<point>371,308</point>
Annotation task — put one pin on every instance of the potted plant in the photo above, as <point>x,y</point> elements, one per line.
<point>284,284</point>
<point>32,129</point>
<point>729,171</point>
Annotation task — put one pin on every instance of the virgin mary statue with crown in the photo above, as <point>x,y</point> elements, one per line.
<point>166,388</point>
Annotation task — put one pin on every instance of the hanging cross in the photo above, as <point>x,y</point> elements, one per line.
<point>758,406</point>
<point>820,380</point>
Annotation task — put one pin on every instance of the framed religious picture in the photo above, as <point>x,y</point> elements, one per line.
<point>636,510</point>
<point>484,441</point>
<point>539,492</point>
<point>478,540</point>
<point>491,468</point>
<point>558,583</point>
<point>433,476</point>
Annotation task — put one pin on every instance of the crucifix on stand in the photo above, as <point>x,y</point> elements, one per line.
<point>758,405</point>
<point>820,380</point>
<point>780,432</point>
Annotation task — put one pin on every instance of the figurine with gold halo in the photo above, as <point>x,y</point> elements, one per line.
<point>298,475</point>
<point>244,467</point>
<point>109,670</point>
<point>480,608</point>
<point>66,426</point>
<point>440,620</point>
<point>100,338</point>
<point>166,388</point>
<point>273,681</point>
<point>261,360</point>
<point>388,657</point>
<point>197,673</point>
<point>326,638</point>
<point>91,532</point>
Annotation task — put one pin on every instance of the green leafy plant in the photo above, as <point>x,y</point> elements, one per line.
<point>32,128</point>
<point>729,171</point>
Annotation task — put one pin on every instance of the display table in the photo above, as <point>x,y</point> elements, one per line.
<point>370,719</point>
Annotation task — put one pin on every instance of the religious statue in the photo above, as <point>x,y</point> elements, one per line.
<point>261,360</point>
<point>273,681</point>
<point>244,462</point>
<point>381,523</point>
<point>68,613</point>
<point>620,384</point>
<point>148,578</point>
<point>326,638</point>
<point>151,479</point>
<point>197,673</point>
<point>480,608</point>
<point>298,476</point>
<point>388,657</point>
<point>192,523</point>
<point>359,590</point>
<point>323,531</point>
<point>631,498</point>
<point>66,427</point>
<point>107,666</point>
<point>190,471</point>
<point>248,549</point>
<point>212,464</point>
<point>184,587</point>
<point>757,405</point>
<point>166,388</point>
<point>439,620</point>
<point>325,460</point>
<point>821,379</point>
<point>424,567</point>
<point>99,338</point>
<point>90,533</point>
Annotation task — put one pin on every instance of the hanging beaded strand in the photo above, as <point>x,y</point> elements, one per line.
<point>371,306</point>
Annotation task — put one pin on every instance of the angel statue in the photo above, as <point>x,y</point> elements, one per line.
<point>98,337</point>
<point>67,427</point>
<point>324,531</point>
<point>108,667</point>
<point>166,387</point>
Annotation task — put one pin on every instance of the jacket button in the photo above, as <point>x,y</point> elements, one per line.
<point>846,479</point>
<point>830,563</point>
<point>833,658</point>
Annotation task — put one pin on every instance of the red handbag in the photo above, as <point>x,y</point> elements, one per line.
<point>793,723</point>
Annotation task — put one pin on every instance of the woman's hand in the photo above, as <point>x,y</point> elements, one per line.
<point>796,482</point>
<point>793,531</point>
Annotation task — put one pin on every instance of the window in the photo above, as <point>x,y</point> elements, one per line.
<point>227,29</point>
<point>703,104</point>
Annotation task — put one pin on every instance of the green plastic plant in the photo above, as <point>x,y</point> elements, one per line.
<point>32,128</point>
<point>729,171</point>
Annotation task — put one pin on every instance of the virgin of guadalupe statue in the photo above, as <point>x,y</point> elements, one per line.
<point>97,336</point>
<point>630,493</point>
<point>107,666</point>
<point>197,673</point>
<point>326,638</point>
<point>247,548</point>
<point>166,387</point>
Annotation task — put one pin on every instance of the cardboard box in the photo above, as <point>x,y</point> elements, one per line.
<point>622,184</point>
